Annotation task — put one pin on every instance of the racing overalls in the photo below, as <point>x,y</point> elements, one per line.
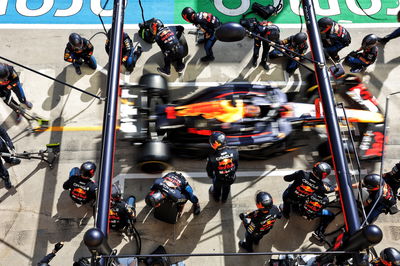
<point>334,39</point>
<point>168,41</point>
<point>314,207</point>
<point>11,83</point>
<point>121,215</point>
<point>221,168</point>
<point>263,28</point>
<point>358,61</point>
<point>304,185</point>
<point>292,64</point>
<point>384,202</point>
<point>81,190</point>
<point>129,55</point>
<point>207,23</point>
<point>77,57</point>
<point>257,224</point>
<point>176,188</point>
<point>392,178</point>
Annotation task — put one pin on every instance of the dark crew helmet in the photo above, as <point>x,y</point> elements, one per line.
<point>155,25</point>
<point>116,192</point>
<point>217,140</point>
<point>299,38</point>
<point>264,200</point>
<point>187,14</point>
<point>154,198</point>
<point>87,169</point>
<point>369,41</point>
<point>371,182</point>
<point>390,256</point>
<point>321,170</point>
<point>325,23</point>
<point>4,72</point>
<point>273,33</point>
<point>76,41</point>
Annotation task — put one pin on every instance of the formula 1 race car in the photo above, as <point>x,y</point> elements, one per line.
<point>257,119</point>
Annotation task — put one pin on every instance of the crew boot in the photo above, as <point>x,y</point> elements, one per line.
<point>207,58</point>
<point>245,246</point>
<point>196,209</point>
<point>7,183</point>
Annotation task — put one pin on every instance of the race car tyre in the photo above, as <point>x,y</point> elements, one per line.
<point>182,40</point>
<point>154,157</point>
<point>156,84</point>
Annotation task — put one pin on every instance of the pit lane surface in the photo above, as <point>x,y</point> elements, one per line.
<point>36,212</point>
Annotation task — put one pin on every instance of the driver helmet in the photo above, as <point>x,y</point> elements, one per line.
<point>251,110</point>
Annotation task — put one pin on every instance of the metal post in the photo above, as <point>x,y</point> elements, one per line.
<point>347,199</point>
<point>110,119</point>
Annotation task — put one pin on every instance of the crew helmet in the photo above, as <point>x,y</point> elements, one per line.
<point>369,41</point>
<point>217,140</point>
<point>116,193</point>
<point>187,14</point>
<point>299,38</point>
<point>155,25</point>
<point>273,33</point>
<point>390,256</point>
<point>154,198</point>
<point>264,200</point>
<point>321,170</point>
<point>76,41</point>
<point>371,182</point>
<point>4,72</point>
<point>88,169</point>
<point>325,23</point>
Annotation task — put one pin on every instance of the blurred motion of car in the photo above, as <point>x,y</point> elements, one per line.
<point>257,119</point>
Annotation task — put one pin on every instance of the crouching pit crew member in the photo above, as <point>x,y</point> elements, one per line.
<point>259,222</point>
<point>82,188</point>
<point>222,164</point>
<point>122,213</point>
<point>304,185</point>
<point>78,51</point>
<point>173,186</point>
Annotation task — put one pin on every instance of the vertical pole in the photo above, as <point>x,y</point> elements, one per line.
<point>110,118</point>
<point>347,199</point>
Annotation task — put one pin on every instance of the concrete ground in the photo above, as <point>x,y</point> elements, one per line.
<point>36,213</point>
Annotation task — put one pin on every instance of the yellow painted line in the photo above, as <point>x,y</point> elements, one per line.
<point>69,128</point>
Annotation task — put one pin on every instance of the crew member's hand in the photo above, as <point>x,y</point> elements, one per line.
<point>58,246</point>
<point>297,58</point>
<point>241,216</point>
<point>124,58</point>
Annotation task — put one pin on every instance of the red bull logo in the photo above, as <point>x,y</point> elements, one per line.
<point>225,166</point>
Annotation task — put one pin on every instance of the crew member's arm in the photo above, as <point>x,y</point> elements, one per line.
<point>14,79</point>
<point>128,44</point>
<point>291,177</point>
<point>68,55</point>
<point>210,168</point>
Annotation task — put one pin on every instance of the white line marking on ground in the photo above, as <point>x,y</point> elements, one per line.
<point>218,83</point>
<point>239,174</point>
<point>186,26</point>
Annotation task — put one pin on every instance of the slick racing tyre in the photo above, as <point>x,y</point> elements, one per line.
<point>157,86</point>
<point>154,157</point>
